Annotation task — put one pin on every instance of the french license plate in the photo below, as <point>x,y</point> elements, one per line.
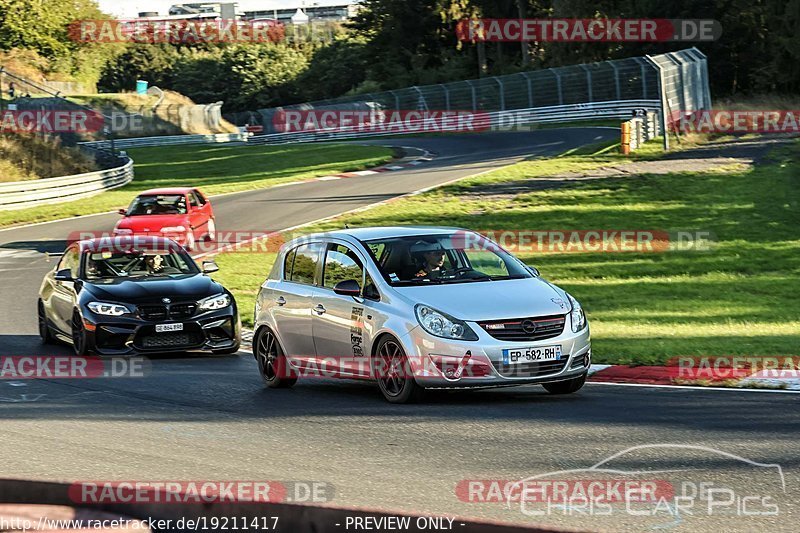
<point>515,356</point>
<point>163,328</point>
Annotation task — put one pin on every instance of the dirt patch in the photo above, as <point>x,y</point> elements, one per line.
<point>706,158</point>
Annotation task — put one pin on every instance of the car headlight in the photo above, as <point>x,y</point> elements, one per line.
<point>443,325</point>
<point>103,308</point>
<point>221,301</point>
<point>576,316</point>
<point>123,231</point>
<point>173,229</point>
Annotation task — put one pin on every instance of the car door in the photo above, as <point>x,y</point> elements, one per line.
<point>63,297</point>
<point>293,296</point>
<point>198,218</point>
<point>339,322</point>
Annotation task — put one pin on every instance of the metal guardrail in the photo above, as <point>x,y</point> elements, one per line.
<point>497,120</point>
<point>167,140</point>
<point>31,193</point>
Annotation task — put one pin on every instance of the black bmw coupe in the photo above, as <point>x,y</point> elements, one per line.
<point>129,295</point>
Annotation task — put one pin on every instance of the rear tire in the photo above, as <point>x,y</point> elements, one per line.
<point>211,236</point>
<point>44,328</point>
<point>272,363</point>
<point>566,387</point>
<point>393,372</point>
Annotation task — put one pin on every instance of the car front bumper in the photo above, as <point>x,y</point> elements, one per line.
<point>127,335</point>
<point>446,363</point>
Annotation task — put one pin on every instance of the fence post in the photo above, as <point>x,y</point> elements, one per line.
<point>616,79</point>
<point>663,97</point>
<point>446,96</point>
<point>502,93</point>
<point>588,82</point>
<point>474,96</point>
<point>558,87</point>
<point>530,88</point>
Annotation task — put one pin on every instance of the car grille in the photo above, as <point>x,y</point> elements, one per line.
<point>164,312</point>
<point>170,340</point>
<point>525,329</point>
<point>531,370</point>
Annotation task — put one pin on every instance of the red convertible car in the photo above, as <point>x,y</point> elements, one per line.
<point>182,214</point>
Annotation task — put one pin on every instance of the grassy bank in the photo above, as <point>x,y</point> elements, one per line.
<point>734,298</point>
<point>215,169</point>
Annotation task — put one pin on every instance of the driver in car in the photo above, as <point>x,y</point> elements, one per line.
<point>433,263</point>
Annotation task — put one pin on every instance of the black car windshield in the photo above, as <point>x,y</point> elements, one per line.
<point>135,263</point>
<point>463,257</point>
<point>161,204</point>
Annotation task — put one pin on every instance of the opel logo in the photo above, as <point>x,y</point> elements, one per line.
<point>529,326</point>
<point>166,300</point>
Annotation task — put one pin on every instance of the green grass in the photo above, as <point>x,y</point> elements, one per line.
<point>736,298</point>
<point>216,169</point>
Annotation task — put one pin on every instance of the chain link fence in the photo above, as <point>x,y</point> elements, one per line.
<point>676,81</point>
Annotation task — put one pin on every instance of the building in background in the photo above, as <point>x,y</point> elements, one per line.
<point>316,13</point>
<point>204,10</point>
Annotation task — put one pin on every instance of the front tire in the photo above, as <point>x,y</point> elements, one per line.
<point>44,328</point>
<point>566,387</point>
<point>393,372</point>
<point>211,236</point>
<point>79,343</point>
<point>272,363</point>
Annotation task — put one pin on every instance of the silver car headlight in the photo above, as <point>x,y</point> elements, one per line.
<point>576,316</point>
<point>443,325</point>
<point>103,308</point>
<point>220,301</point>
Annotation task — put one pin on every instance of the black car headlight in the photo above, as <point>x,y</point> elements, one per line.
<point>108,309</point>
<point>443,325</point>
<point>213,303</point>
<point>577,316</point>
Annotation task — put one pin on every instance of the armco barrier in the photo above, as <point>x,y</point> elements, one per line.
<point>290,517</point>
<point>21,194</point>
<point>168,140</point>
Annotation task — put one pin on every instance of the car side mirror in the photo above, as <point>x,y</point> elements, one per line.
<point>123,212</point>
<point>534,271</point>
<point>210,267</point>
<point>64,274</point>
<point>348,287</point>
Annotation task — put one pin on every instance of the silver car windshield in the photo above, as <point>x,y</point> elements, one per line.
<point>431,259</point>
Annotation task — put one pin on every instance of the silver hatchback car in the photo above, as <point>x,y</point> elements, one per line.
<point>416,308</point>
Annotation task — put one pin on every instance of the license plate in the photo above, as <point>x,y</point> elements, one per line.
<point>515,356</point>
<point>163,328</point>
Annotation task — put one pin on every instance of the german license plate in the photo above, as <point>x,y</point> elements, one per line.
<point>515,356</point>
<point>163,328</point>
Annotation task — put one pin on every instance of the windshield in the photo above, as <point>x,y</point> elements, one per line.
<point>455,258</point>
<point>135,263</point>
<point>161,204</point>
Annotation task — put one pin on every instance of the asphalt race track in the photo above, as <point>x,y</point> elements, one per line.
<point>210,418</point>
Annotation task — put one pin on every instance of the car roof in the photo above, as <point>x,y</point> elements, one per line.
<point>385,232</point>
<point>167,190</point>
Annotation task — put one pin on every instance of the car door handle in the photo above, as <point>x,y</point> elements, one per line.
<point>281,300</point>
<point>319,309</point>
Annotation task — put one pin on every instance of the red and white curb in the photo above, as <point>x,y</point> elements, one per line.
<point>401,164</point>
<point>778,380</point>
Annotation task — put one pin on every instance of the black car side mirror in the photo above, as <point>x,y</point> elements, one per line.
<point>64,274</point>
<point>210,267</point>
<point>534,271</point>
<point>348,287</point>
<point>123,212</point>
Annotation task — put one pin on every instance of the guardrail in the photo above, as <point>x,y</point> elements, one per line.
<point>31,193</point>
<point>496,120</point>
<point>167,140</point>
